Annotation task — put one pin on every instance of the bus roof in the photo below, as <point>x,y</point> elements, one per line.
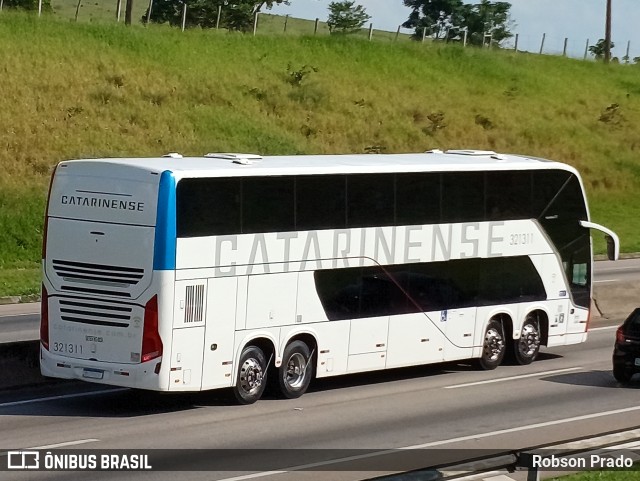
<point>232,165</point>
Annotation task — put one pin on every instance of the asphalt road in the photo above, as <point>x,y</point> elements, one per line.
<point>568,393</point>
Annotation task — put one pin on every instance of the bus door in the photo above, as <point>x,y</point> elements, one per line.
<point>188,335</point>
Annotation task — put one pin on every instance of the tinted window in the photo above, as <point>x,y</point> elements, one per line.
<point>559,204</point>
<point>423,287</point>
<point>208,207</point>
<point>320,202</point>
<point>508,195</point>
<point>267,204</point>
<point>370,200</point>
<point>417,199</point>
<point>462,197</point>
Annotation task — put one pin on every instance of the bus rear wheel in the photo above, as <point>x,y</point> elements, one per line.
<point>525,349</point>
<point>294,374</point>
<point>493,346</point>
<point>252,375</point>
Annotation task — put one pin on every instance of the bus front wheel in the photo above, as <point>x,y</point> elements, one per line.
<point>493,346</point>
<point>294,375</point>
<point>252,375</point>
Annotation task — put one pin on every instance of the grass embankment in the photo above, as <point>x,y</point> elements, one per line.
<point>75,90</point>
<point>612,475</point>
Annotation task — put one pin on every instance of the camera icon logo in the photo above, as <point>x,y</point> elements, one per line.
<point>23,460</point>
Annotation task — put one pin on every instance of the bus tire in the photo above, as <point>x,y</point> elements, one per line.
<point>525,349</point>
<point>296,370</point>
<point>252,375</point>
<point>493,346</point>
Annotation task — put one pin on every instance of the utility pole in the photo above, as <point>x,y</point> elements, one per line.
<point>607,34</point>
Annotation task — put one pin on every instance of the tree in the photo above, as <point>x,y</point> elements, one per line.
<point>346,17</point>
<point>436,16</point>
<point>598,50</point>
<point>487,18</point>
<point>204,13</point>
<point>449,19</point>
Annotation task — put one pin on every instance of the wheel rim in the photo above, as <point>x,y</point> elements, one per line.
<point>529,340</point>
<point>251,374</point>
<point>493,344</point>
<point>296,369</point>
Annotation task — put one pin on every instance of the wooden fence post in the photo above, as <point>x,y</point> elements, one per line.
<point>370,31</point>
<point>397,31</point>
<point>564,50</point>
<point>118,10</point>
<point>184,15</point>
<point>628,48</point>
<point>542,43</point>
<point>424,34</point>
<point>149,11</point>
<point>218,18</point>
<point>286,19</point>
<point>39,8</point>
<point>586,50</point>
<point>315,28</point>
<point>255,24</point>
<point>515,48</point>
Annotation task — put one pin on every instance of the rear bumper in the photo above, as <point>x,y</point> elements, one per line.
<point>140,376</point>
<point>626,358</point>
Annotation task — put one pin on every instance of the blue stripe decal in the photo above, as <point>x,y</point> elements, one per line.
<point>164,253</point>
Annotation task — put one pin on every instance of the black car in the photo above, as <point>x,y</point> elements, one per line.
<point>626,352</point>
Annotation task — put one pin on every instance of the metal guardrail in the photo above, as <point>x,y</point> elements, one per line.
<point>619,449</point>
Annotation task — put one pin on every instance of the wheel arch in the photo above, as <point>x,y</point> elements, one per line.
<point>309,338</point>
<point>504,318</point>
<point>265,342</point>
<point>543,320</point>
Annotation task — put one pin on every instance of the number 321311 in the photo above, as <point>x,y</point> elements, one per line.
<point>520,239</point>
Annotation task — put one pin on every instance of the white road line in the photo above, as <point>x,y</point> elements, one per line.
<point>52,446</point>
<point>64,396</point>
<point>606,328</point>
<point>435,443</point>
<point>513,378</point>
<point>68,443</point>
<point>607,280</point>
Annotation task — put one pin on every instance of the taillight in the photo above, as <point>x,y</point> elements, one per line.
<point>44,319</point>
<point>151,342</point>
<point>620,335</point>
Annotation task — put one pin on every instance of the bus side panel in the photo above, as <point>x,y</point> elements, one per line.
<point>186,359</point>
<point>271,300</point>
<point>308,308</point>
<point>217,368</point>
<point>459,326</point>
<point>189,316</point>
<point>414,339</point>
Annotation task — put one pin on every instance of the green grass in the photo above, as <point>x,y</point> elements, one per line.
<point>97,88</point>
<point>612,475</point>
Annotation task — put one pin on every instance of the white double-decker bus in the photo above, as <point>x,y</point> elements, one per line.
<point>232,270</point>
